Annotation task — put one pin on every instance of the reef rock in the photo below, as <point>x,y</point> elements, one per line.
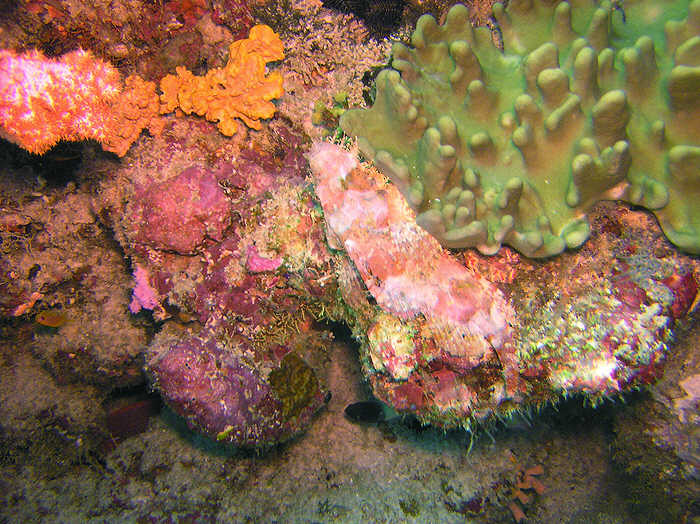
<point>235,391</point>
<point>456,338</point>
<point>192,201</point>
<point>229,254</point>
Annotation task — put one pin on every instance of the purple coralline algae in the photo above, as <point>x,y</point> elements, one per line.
<point>180,213</point>
<point>223,389</point>
<point>143,296</point>
<point>231,257</point>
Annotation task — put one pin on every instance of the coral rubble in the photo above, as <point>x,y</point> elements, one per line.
<point>326,54</point>
<point>586,102</point>
<point>382,17</point>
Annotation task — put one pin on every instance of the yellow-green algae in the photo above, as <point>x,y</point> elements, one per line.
<point>295,384</point>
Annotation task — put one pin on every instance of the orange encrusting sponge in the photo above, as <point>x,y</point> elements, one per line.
<point>239,90</point>
<point>79,96</point>
<point>74,97</point>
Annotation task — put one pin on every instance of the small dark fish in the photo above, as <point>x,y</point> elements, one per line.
<point>367,411</point>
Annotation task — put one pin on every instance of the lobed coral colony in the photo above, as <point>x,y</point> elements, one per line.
<point>586,102</point>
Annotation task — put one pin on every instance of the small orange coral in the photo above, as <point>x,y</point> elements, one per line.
<point>238,90</point>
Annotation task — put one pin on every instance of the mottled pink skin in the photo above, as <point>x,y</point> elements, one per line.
<point>409,396</point>
<point>461,351</point>
<point>181,213</point>
<point>630,293</point>
<point>460,322</point>
<point>403,267</point>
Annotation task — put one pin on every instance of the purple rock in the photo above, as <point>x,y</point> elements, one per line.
<point>232,393</point>
<point>179,214</point>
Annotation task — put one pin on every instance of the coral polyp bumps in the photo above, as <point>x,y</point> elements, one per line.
<point>586,102</point>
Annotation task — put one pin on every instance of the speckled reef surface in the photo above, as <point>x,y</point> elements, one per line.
<point>199,271</point>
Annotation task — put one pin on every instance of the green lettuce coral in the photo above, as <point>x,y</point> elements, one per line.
<point>587,101</point>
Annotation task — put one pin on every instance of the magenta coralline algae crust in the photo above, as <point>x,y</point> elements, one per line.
<point>179,214</point>
<point>219,392</point>
<point>233,254</point>
<point>143,296</point>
